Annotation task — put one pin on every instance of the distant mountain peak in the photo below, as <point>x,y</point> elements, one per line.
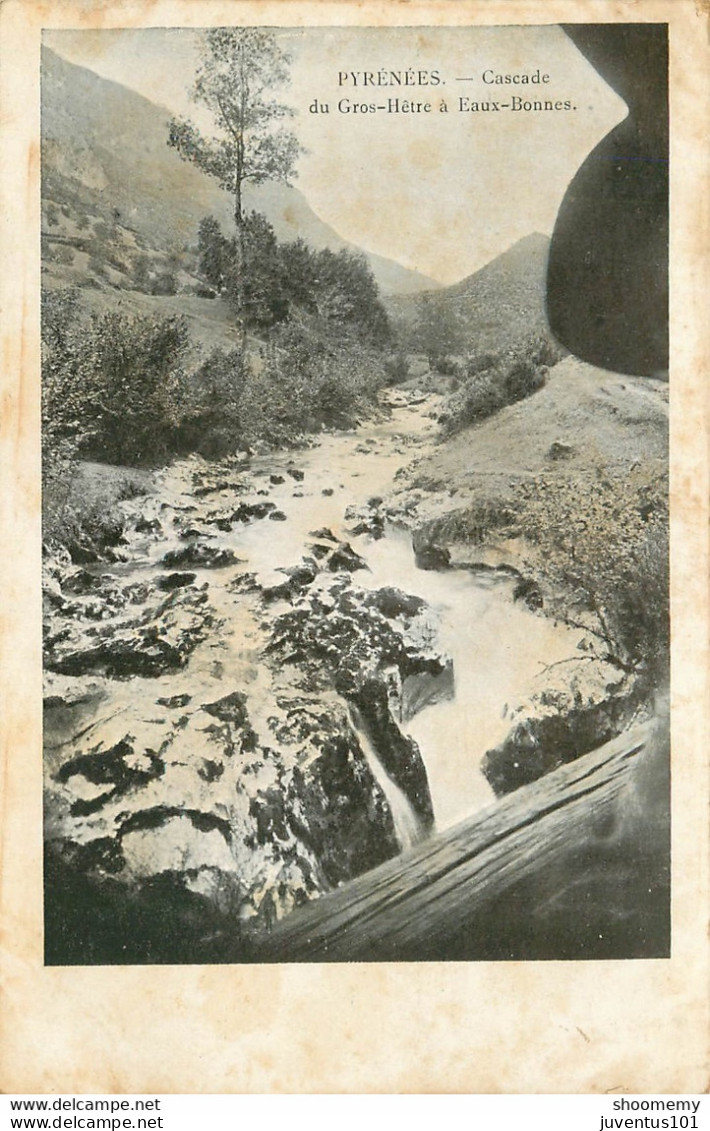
<point>496,306</point>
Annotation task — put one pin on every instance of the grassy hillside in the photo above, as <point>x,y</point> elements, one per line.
<point>104,148</point>
<point>495,308</point>
<point>582,423</point>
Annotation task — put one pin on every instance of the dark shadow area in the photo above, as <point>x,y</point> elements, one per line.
<point>607,280</point>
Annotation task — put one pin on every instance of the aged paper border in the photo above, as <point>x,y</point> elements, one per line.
<point>575,1027</point>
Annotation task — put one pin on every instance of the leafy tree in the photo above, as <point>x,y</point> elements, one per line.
<point>239,69</point>
<point>213,251</point>
<point>135,385</point>
<point>301,271</point>
<point>347,294</point>
<point>438,331</point>
<point>262,292</point>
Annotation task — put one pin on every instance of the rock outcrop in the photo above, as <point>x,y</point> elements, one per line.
<point>169,802</point>
<point>562,722</point>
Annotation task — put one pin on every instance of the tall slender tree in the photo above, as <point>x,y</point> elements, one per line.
<point>239,70</point>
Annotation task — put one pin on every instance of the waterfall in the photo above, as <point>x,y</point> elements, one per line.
<point>407,825</point>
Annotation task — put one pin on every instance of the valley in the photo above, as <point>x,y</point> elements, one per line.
<point>355,585</point>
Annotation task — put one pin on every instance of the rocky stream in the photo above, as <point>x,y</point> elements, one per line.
<point>260,692</point>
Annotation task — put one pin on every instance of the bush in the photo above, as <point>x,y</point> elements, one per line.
<point>164,284</point>
<point>97,267</point>
<point>444,365</point>
<point>63,254</point>
<point>479,398</point>
<point>608,545</point>
<point>212,423</point>
<point>198,290</point>
<point>496,380</point>
<point>136,387</point>
<point>140,272</point>
<point>112,386</point>
<point>308,382</point>
<point>479,362</point>
<point>523,378</point>
<point>63,374</point>
<point>397,368</point>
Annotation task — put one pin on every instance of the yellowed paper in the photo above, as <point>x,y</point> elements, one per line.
<point>612,1025</point>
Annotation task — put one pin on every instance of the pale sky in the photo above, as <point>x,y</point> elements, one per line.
<point>442,193</point>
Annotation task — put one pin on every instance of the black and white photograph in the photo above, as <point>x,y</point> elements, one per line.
<point>354,348</point>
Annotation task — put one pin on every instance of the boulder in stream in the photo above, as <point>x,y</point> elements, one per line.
<point>566,719</point>
<point>159,639</point>
<point>201,556</point>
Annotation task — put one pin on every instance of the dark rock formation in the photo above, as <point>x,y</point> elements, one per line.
<point>543,740</point>
<point>393,603</point>
<point>427,554</point>
<point>159,639</point>
<point>200,556</point>
<point>247,511</point>
<point>148,526</point>
<point>528,591</point>
<point>559,450</point>
<point>175,581</point>
<point>399,754</point>
<point>344,557</point>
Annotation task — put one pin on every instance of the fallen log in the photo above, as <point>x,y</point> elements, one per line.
<point>575,865</point>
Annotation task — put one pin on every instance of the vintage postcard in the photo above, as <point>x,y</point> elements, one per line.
<point>355,654</point>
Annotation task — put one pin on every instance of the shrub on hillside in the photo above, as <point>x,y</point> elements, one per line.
<point>212,420</point>
<point>397,368</point>
<point>136,386</point>
<point>445,365</point>
<point>57,252</point>
<point>97,267</point>
<point>496,380</point>
<point>479,362</point>
<point>113,386</point>
<point>308,382</point>
<point>140,272</point>
<point>479,398</point>
<point>164,284</point>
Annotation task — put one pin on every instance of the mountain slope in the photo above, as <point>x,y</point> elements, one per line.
<point>106,145</point>
<point>496,306</point>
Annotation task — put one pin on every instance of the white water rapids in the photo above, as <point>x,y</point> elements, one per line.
<point>497,645</point>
